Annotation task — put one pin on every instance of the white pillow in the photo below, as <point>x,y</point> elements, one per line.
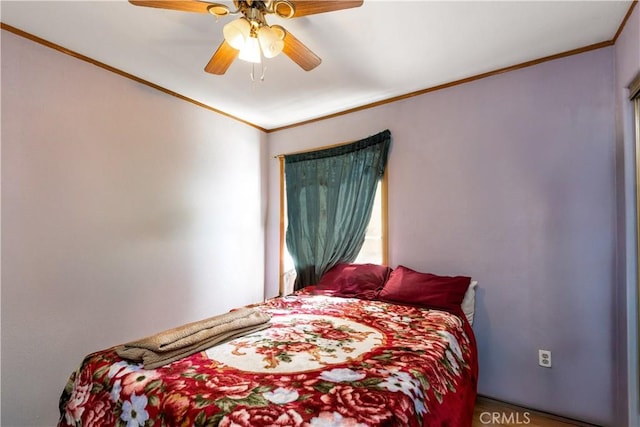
<point>469,301</point>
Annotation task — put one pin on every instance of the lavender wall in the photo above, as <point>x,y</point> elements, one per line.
<point>121,217</point>
<point>510,179</point>
<point>627,66</point>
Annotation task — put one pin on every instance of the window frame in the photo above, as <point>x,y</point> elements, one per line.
<point>634,97</point>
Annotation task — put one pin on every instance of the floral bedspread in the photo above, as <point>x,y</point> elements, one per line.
<point>324,361</point>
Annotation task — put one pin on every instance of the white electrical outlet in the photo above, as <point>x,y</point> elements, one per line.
<point>544,358</point>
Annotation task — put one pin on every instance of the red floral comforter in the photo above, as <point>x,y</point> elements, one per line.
<point>325,361</point>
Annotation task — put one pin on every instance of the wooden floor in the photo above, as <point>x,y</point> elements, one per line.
<point>489,412</point>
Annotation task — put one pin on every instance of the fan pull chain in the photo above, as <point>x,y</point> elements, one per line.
<point>253,72</point>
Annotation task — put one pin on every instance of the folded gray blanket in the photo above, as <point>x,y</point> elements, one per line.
<point>174,344</point>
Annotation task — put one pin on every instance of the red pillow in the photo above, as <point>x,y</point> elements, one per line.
<point>362,281</point>
<point>412,287</point>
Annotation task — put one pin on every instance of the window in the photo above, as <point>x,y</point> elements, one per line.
<point>634,89</point>
<point>374,249</point>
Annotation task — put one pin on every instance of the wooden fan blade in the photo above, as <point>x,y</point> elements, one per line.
<point>183,5</point>
<point>311,7</point>
<point>298,52</point>
<point>222,59</point>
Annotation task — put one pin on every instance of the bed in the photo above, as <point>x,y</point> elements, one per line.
<point>328,358</point>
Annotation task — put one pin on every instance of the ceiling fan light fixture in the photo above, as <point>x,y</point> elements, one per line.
<point>270,41</point>
<point>251,51</point>
<point>237,33</point>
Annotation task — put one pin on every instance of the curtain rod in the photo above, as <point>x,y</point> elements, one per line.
<point>324,147</point>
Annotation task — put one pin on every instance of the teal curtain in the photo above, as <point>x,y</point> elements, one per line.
<point>330,195</point>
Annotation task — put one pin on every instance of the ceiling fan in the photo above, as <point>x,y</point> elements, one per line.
<point>249,36</point>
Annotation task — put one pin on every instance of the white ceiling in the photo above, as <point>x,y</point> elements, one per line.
<point>380,50</point>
